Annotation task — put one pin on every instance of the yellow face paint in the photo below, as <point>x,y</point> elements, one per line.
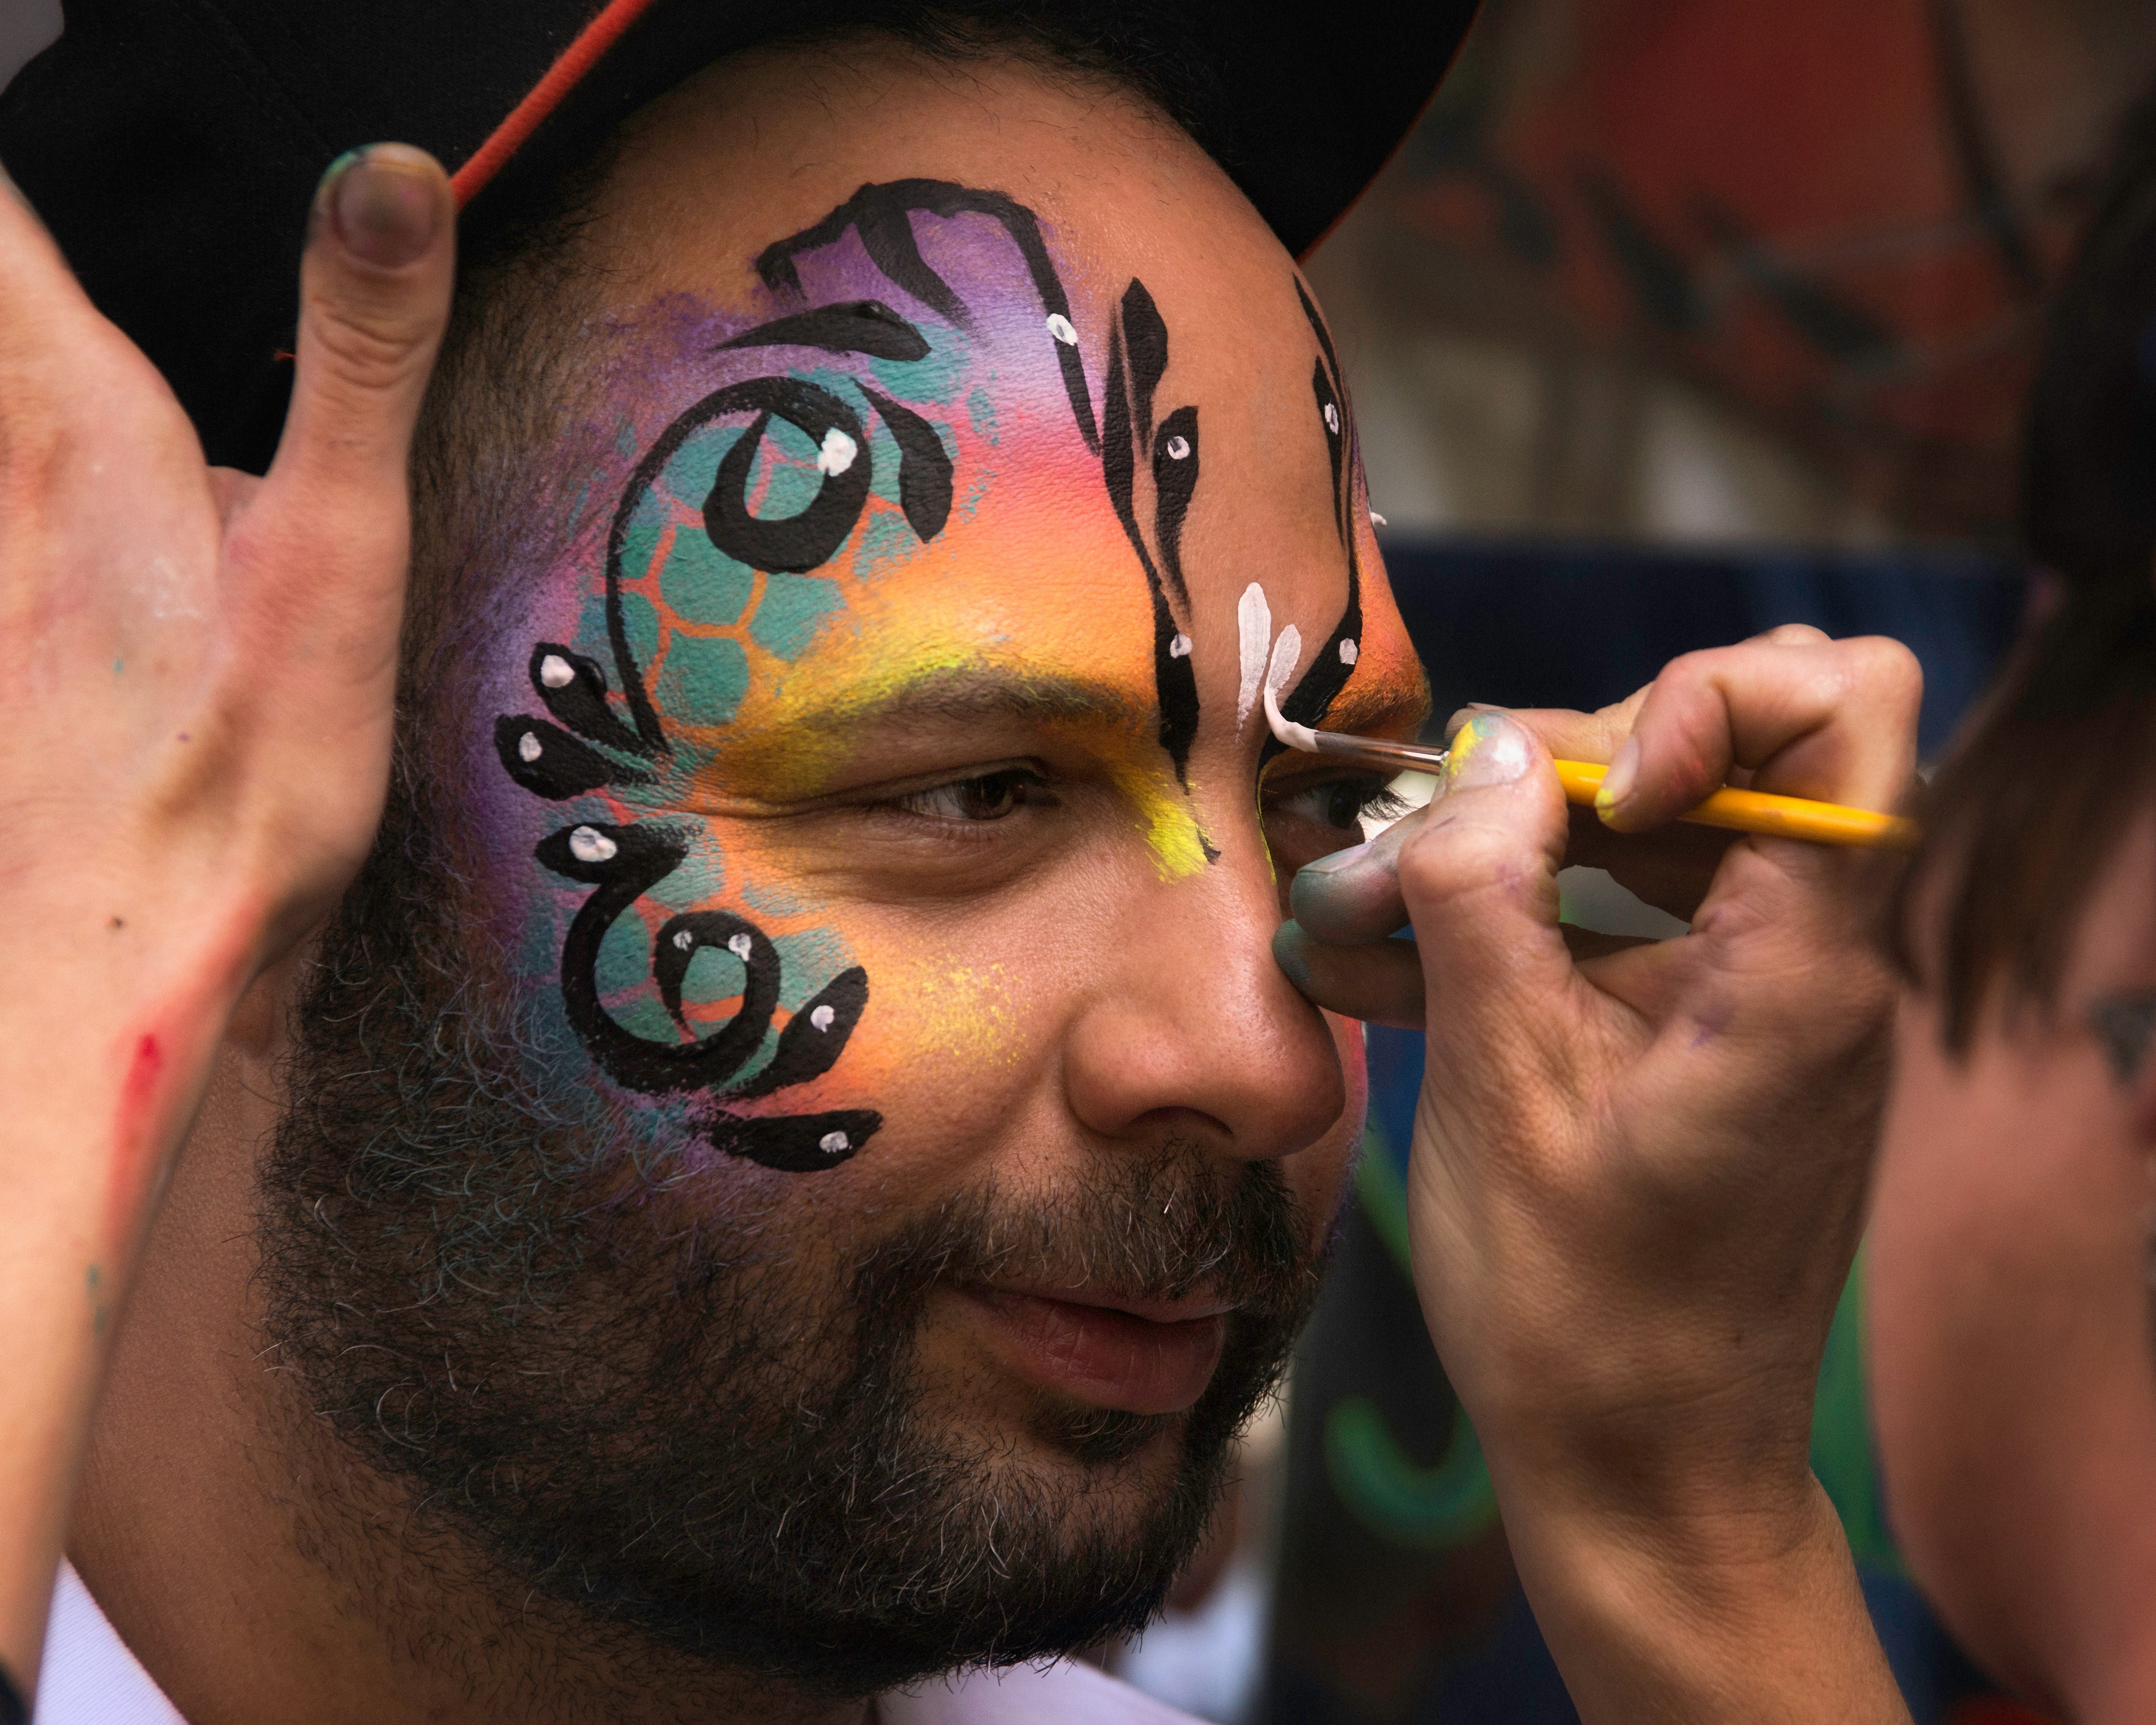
<point>963,1011</point>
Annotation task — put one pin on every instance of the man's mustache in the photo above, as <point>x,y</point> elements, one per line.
<point>1169,1226</point>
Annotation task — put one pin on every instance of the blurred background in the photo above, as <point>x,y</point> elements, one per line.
<point>1675,320</point>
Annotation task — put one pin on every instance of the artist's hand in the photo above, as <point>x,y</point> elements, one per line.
<point>1637,1180</point>
<point>194,743</point>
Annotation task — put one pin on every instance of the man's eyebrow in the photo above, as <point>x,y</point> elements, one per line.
<point>865,326</point>
<point>1370,707</point>
<point>976,696</point>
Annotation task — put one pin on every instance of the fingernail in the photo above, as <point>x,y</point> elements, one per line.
<point>383,205</point>
<point>1289,943</point>
<point>1352,857</point>
<point>1624,773</point>
<point>1489,749</point>
<point>1459,721</point>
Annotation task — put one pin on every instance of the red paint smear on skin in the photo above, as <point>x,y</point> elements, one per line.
<point>135,1141</point>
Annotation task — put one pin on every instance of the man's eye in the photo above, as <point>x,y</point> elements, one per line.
<point>989,796</point>
<point>1343,803</point>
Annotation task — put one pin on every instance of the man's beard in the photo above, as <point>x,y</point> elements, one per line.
<point>492,1287</point>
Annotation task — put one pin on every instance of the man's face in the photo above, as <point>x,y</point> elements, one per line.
<point>872,840</point>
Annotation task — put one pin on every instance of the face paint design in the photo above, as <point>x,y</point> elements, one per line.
<point>1253,634</point>
<point>710,1010</point>
<point>1329,671</point>
<point>1137,360</point>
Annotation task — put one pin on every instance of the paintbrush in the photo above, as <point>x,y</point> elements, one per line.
<point>1819,823</point>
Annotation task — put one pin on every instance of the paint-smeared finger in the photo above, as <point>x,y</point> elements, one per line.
<point>1354,895</point>
<point>374,299</point>
<point>1377,981</point>
<point>1480,880</point>
<point>1566,734</point>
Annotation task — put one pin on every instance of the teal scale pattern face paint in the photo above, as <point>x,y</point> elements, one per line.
<point>685,981</point>
<point>793,608</point>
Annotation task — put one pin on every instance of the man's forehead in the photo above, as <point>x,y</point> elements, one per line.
<point>915,446</point>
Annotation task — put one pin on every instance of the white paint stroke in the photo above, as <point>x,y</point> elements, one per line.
<point>1253,634</point>
<point>838,453</point>
<point>1287,654</point>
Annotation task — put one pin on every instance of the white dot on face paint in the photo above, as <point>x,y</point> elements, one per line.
<point>821,1017</point>
<point>833,1143</point>
<point>527,746</point>
<point>740,946</point>
<point>1376,519</point>
<point>1349,653</point>
<point>1059,326</point>
<point>838,453</point>
<point>684,939</point>
<point>1178,448</point>
<point>556,672</point>
<point>1179,648</point>
<point>588,845</point>
<point>1332,419</point>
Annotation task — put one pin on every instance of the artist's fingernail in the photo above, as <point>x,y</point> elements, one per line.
<point>382,202</point>
<point>1488,749</point>
<point>1459,721</point>
<point>1622,775</point>
<point>1290,952</point>
<point>1354,856</point>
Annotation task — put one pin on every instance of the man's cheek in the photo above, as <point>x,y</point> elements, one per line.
<point>960,1057</point>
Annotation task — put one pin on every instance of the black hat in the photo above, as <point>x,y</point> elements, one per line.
<point>172,146</point>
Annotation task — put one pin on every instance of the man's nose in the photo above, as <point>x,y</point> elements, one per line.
<point>1193,1028</point>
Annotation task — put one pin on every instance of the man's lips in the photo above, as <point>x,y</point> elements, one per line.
<point>1140,1356</point>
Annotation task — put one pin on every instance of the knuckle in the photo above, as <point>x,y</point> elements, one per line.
<point>1885,666</point>
<point>1690,675</point>
<point>378,346</point>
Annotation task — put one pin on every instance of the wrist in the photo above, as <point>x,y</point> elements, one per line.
<point>1749,1608</point>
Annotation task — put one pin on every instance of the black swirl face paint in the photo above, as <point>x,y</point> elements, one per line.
<point>1306,701</point>
<point>1138,360</point>
<point>841,445</point>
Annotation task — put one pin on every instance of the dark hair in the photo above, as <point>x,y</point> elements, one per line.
<point>2023,819</point>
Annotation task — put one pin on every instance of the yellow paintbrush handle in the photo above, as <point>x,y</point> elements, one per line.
<point>1820,823</point>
